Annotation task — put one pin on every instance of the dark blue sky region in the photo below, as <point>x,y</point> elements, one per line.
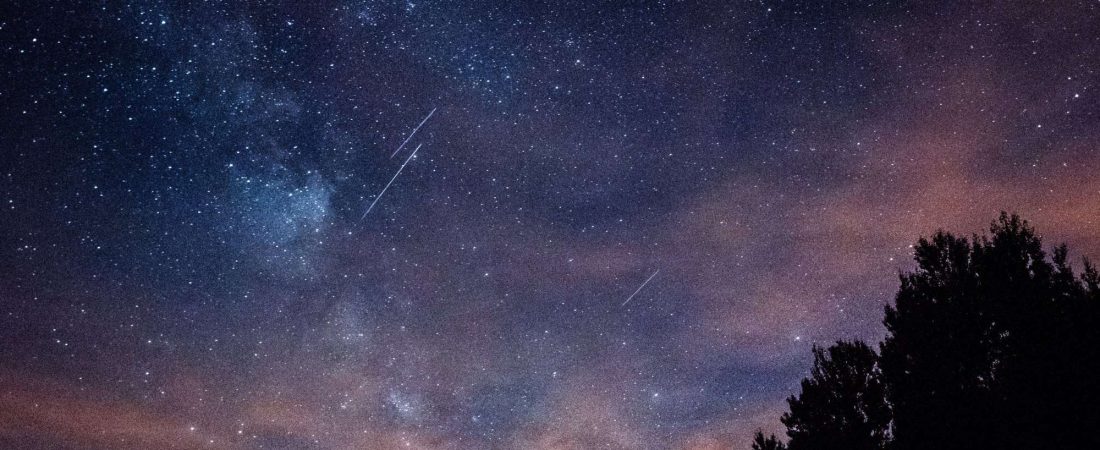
<point>185,260</point>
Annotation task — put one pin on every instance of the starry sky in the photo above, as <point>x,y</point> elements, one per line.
<point>618,225</point>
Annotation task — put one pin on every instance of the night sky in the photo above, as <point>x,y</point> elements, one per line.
<point>624,224</point>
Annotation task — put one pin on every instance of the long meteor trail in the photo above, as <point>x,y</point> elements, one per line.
<point>429,116</point>
<point>628,299</point>
<point>391,182</point>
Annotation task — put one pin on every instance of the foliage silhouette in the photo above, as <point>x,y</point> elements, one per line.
<point>759,442</point>
<point>843,403</point>
<point>989,344</point>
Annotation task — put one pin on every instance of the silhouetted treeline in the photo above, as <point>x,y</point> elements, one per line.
<point>990,345</point>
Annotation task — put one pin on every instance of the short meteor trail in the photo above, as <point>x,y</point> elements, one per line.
<point>429,116</point>
<point>628,299</point>
<point>391,182</point>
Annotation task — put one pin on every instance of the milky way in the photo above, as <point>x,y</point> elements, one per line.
<point>186,260</point>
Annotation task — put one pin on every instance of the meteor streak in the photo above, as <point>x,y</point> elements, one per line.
<point>628,299</point>
<point>413,133</point>
<point>391,181</point>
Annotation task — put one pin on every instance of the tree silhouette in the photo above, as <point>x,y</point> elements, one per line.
<point>842,404</point>
<point>990,344</point>
<point>938,357</point>
<point>770,443</point>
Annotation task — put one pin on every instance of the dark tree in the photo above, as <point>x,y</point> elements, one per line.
<point>938,359</point>
<point>842,404</point>
<point>769,443</point>
<point>990,345</point>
